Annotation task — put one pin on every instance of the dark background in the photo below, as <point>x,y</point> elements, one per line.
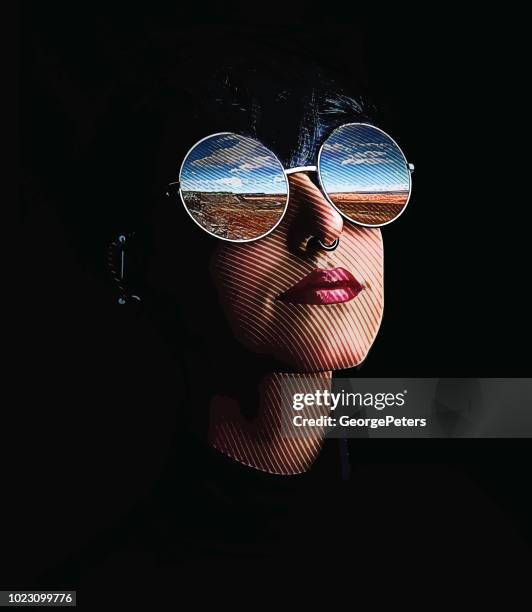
<point>98,395</point>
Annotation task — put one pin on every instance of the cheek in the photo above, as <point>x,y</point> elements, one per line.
<point>362,253</point>
<point>248,280</point>
<point>249,277</point>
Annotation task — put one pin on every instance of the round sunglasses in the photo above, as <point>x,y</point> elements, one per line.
<point>236,189</point>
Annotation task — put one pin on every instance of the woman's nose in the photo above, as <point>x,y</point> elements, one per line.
<point>311,214</point>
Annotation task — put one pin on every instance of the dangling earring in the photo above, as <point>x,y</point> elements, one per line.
<point>116,260</point>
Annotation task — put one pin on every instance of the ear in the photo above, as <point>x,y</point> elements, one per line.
<point>120,267</point>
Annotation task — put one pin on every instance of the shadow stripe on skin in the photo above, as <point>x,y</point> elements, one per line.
<point>312,340</point>
<point>248,302</point>
<point>240,274</point>
<point>266,448</point>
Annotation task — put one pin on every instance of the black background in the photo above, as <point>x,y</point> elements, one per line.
<point>98,396</point>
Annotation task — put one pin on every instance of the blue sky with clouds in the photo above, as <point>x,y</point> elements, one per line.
<point>362,158</point>
<point>232,163</point>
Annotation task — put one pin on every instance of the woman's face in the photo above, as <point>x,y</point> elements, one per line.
<point>330,320</point>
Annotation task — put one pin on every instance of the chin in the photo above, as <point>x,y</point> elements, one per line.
<point>314,359</point>
<point>318,348</point>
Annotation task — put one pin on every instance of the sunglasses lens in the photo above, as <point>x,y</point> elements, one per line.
<point>233,187</point>
<point>365,174</point>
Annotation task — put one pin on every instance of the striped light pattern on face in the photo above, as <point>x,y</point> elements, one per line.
<point>364,174</point>
<point>311,340</point>
<point>264,444</point>
<point>233,187</point>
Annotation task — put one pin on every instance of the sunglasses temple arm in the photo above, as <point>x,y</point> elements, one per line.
<point>172,188</point>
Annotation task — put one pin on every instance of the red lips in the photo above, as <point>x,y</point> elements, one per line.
<point>323,287</point>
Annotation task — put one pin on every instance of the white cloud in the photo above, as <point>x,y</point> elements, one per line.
<point>369,158</point>
<point>374,145</point>
<point>336,147</point>
<point>235,150</point>
<point>262,161</point>
<point>234,181</point>
<point>353,147</point>
<point>219,156</point>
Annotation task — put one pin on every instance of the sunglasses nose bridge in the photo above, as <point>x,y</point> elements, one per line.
<point>295,170</point>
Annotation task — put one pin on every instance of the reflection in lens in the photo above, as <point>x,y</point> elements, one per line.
<point>233,187</point>
<point>364,174</point>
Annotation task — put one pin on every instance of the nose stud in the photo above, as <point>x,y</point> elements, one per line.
<point>326,247</point>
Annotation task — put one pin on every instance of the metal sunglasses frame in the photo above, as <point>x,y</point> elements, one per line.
<point>287,171</point>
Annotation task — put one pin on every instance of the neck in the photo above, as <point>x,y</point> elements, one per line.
<point>265,442</point>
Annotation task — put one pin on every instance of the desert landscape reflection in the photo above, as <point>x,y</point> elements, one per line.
<point>235,216</point>
<point>372,208</point>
